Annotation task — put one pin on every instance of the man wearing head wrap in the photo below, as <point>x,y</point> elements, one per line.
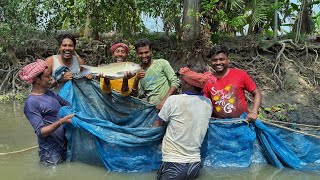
<point>66,58</point>
<point>187,116</point>
<point>41,109</point>
<point>228,93</point>
<point>119,53</point>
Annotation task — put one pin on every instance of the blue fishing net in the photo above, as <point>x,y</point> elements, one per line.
<point>292,149</point>
<point>116,132</point>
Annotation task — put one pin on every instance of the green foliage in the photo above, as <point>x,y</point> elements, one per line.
<point>17,28</point>
<point>12,96</point>
<point>279,111</point>
<point>124,16</point>
<point>317,22</point>
<point>232,16</point>
<point>97,16</point>
<point>170,12</point>
<point>259,10</point>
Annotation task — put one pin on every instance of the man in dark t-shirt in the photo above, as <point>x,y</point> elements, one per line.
<point>41,109</point>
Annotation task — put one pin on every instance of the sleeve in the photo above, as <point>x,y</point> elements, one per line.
<point>33,114</point>
<point>169,72</point>
<point>126,93</point>
<point>105,89</point>
<point>165,111</point>
<point>249,84</point>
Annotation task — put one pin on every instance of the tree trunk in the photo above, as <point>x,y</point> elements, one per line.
<point>87,31</point>
<point>95,27</point>
<point>92,22</point>
<point>306,18</point>
<point>191,20</point>
<point>275,25</point>
<point>303,22</point>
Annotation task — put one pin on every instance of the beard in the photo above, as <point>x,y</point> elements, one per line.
<point>146,60</point>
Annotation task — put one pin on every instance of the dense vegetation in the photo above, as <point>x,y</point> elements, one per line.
<point>26,25</point>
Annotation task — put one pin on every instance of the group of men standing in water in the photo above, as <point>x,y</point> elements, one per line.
<point>219,92</point>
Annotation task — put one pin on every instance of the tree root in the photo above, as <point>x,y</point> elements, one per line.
<point>283,51</point>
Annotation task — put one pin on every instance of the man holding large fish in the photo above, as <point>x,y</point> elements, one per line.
<point>122,85</point>
<point>157,78</point>
<point>66,64</point>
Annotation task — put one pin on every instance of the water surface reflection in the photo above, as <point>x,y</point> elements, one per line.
<point>16,133</point>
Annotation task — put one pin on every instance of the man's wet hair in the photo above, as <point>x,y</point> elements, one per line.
<point>142,43</point>
<point>67,36</point>
<point>217,50</point>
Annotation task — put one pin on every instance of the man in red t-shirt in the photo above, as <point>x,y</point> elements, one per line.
<point>227,93</point>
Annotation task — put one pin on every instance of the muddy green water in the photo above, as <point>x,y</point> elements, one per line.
<point>16,134</point>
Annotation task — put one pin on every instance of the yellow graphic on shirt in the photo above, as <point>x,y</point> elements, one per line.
<point>231,100</point>
<point>223,99</point>
<point>218,108</point>
<point>227,88</point>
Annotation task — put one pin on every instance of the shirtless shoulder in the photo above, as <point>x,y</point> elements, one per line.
<point>49,61</point>
<point>81,61</point>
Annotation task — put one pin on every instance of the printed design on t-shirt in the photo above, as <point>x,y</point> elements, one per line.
<point>223,99</point>
<point>149,82</point>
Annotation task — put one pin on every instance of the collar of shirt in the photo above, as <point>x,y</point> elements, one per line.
<point>193,93</point>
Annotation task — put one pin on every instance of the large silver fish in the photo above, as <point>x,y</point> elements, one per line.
<point>112,70</point>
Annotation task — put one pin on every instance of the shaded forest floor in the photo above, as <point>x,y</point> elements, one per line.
<point>288,74</point>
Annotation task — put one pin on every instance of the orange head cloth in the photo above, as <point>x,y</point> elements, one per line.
<point>196,79</point>
<point>115,46</point>
<point>32,70</point>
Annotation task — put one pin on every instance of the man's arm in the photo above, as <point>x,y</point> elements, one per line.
<point>33,114</point>
<point>82,62</point>
<point>169,93</point>
<point>173,80</point>
<point>105,85</point>
<point>164,114</point>
<point>135,85</point>
<point>48,129</point>
<point>158,122</point>
<point>49,61</point>
<point>257,98</point>
<point>125,89</point>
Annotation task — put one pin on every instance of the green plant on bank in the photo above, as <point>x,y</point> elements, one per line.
<point>13,96</point>
<point>278,111</point>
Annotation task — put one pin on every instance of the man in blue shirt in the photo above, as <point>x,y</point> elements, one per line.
<point>41,109</point>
